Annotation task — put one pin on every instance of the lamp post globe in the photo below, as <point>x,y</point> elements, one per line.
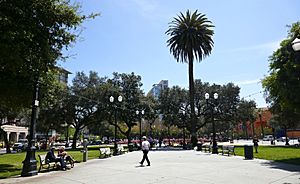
<point>296,45</point>
<point>206,96</point>
<point>111,99</point>
<point>216,96</point>
<point>120,98</point>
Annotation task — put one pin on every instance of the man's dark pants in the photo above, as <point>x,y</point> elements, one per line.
<point>145,156</point>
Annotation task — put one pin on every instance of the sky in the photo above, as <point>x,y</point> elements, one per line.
<point>129,36</point>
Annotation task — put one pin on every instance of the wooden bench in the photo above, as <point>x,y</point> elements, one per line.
<point>228,149</point>
<point>105,152</point>
<point>121,149</point>
<point>45,164</point>
<point>206,147</point>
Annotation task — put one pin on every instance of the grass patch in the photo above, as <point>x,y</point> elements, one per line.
<point>290,155</point>
<point>11,164</point>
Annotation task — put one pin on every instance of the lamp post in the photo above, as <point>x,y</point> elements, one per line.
<point>183,145</point>
<point>111,100</point>
<point>29,164</point>
<point>142,113</point>
<point>213,108</point>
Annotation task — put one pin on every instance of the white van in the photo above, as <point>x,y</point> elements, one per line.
<point>268,138</point>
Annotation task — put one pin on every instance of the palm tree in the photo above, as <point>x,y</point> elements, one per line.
<point>190,39</point>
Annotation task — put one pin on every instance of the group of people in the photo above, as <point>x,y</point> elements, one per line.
<point>62,157</point>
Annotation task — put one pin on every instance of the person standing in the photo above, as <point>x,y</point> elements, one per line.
<point>255,143</point>
<point>145,149</point>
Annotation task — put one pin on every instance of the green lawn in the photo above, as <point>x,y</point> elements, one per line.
<point>281,154</point>
<point>11,164</point>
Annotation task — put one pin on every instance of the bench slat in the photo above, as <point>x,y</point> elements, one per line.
<point>228,149</point>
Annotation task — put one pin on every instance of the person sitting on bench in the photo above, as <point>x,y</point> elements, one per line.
<point>62,153</point>
<point>52,158</point>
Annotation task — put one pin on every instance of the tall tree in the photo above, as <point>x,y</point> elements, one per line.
<point>191,39</point>
<point>83,103</point>
<point>129,87</point>
<point>33,34</point>
<point>246,113</point>
<point>172,103</point>
<point>282,86</point>
<point>151,111</point>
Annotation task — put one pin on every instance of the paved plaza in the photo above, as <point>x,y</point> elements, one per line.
<point>171,167</point>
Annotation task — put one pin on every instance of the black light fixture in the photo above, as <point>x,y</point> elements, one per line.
<point>142,113</point>
<point>30,162</point>
<point>213,110</point>
<point>112,100</point>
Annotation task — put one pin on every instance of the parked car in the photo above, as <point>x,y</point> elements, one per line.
<point>96,142</point>
<point>268,138</point>
<point>282,139</point>
<point>21,145</point>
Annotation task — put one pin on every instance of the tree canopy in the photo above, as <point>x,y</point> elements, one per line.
<point>282,86</point>
<point>33,34</point>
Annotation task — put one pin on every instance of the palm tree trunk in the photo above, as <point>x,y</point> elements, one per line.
<point>192,104</point>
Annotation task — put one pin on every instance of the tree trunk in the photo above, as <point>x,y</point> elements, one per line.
<point>169,135</point>
<point>192,102</point>
<point>127,134</point>
<point>6,142</point>
<point>75,138</point>
<point>246,131</point>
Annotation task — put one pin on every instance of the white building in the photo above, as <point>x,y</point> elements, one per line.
<point>157,88</point>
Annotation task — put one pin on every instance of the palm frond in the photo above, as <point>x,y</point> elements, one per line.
<point>190,37</point>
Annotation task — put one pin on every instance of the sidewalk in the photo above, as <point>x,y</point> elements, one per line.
<point>170,167</point>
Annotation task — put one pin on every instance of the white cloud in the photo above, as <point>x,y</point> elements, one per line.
<point>270,46</point>
<point>248,82</point>
<point>146,6</point>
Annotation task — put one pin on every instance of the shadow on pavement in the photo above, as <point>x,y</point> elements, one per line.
<point>285,166</point>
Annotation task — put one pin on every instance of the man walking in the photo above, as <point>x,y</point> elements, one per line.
<point>145,149</point>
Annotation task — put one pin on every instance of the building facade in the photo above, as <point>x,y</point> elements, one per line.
<point>157,88</point>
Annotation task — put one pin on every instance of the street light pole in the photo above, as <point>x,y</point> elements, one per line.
<point>184,145</point>
<point>212,109</point>
<point>140,118</point>
<point>30,163</point>
<point>111,99</point>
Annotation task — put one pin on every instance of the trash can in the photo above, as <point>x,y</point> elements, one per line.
<point>85,150</point>
<point>85,155</point>
<point>248,152</point>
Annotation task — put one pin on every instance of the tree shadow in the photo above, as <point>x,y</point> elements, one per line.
<point>7,168</point>
<point>292,165</point>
